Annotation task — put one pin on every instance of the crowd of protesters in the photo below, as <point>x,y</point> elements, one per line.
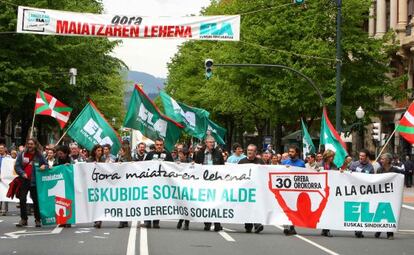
<point>207,153</point>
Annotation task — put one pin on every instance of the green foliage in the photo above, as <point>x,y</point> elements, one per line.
<point>284,35</point>
<point>31,62</point>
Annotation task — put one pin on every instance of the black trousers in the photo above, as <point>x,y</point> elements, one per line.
<point>24,189</point>
<point>408,180</point>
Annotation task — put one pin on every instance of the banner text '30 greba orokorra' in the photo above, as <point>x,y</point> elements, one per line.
<point>53,22</point>
<point>87,192</point>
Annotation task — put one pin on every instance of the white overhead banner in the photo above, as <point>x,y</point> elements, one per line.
<point>53,22</point>
<point>87,192</point>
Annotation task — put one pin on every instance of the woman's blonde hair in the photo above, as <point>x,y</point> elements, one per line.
<point>327,154</point>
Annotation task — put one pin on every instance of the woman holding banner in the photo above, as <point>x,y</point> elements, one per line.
<point>124,156</point>
<point>327,164</point>
<point>183,158</point>
<point>96,157</point>
<point>62,158</point>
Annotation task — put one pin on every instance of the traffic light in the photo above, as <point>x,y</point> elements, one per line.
<point>208,64</point>
<point>376,131</point>
<point>298,2</point>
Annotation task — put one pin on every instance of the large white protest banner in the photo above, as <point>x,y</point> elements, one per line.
<point>54,22</point>
<point>88,192</point>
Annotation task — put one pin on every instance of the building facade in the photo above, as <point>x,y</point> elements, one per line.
<point>398,16</point>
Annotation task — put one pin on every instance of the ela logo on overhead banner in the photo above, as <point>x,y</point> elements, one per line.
<point>212,30</point>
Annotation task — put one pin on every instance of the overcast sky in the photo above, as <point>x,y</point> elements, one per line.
<point>151,56</point>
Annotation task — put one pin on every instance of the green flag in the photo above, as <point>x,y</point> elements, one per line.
<point>216,131</point>
<point>143,115</point>
<point>91,127</point>
<point>194,120</point>
<point>308,146</point>
<point>332,141</point>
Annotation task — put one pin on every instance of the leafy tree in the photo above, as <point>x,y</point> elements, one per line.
<point>301,37</point>
<point>31,62</point>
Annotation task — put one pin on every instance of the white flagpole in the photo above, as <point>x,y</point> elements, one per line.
<point>31,129</point>
<point>385,145</point>
<point>60,139</point>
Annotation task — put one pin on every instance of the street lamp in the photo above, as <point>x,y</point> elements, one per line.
<point>360,113</point>
<point>73,72</point>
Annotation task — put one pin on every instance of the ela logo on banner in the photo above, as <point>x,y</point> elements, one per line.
<point>360,212</point>
<point>212,30</point>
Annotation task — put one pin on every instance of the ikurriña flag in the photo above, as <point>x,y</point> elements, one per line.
<point>144,115</point>
<point>47,104</point>
<point>91,127</point>
<point>332,141</point>
<point>406,126</point>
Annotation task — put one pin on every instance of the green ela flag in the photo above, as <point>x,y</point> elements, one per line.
<point>308,146</point>
<point>143,115</point>
<point>216,131</point>
<point>194,120</point>
<point>91,127</point>
<point>332,141</point>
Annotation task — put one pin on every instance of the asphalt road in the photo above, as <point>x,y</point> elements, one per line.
<point>84,239</point>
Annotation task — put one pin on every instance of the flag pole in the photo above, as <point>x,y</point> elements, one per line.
<point>60,139</point>
<point>385,145</point>
<point>31,129</point>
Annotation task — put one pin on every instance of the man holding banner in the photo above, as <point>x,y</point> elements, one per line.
<point>162,155</point>
<point>210,155</point>
<point>26,164</point>
<point>252,159</point>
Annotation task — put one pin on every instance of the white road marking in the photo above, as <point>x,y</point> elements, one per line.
<point>24,232</point>
<point>143,242</point>
<point>81,241</point>
<point>229,230</point>
<point>107,233</point>
<point>1,220</point>
<point>226,236</point>
<point>406,230</point>
<point>408,207</point>
<point>82,231</point>
<point>132,238</point>
<point>100,237</point>
<point>312,243</point>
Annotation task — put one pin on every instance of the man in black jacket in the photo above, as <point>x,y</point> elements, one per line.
<point>409,169</point>
<point>209,155</point>
<point>26,164</point>
<point>158,154</point>
<point>252,159</point>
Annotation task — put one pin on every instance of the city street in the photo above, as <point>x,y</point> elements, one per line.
<point>84,239</point>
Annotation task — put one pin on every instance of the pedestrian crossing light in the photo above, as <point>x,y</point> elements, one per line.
<point>208,64</point>
<point>298,2</point>
<point>376,131</point>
